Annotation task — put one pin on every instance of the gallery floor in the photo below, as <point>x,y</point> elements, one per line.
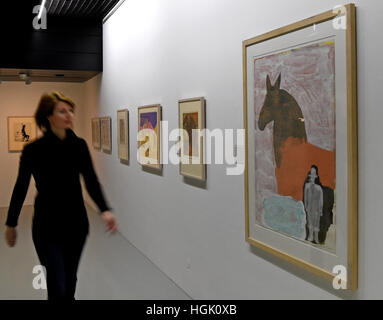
<point>110,267</point>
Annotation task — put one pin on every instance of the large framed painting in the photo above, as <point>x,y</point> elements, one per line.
<point>191,114</point>
<point>149,136</point>
<point>300,117</point>
<point>96,133</point>
<point>106,134</point>
<point>21,130</point>
<point>123,134</point>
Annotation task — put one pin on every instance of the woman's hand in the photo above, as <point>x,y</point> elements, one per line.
<point>10,236</point>
<point>110,221</point>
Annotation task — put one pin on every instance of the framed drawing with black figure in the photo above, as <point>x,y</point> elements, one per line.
<point>21,130</point>
<point>300,118</point>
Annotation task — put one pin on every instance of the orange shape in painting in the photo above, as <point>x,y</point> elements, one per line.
<point>297,159</point>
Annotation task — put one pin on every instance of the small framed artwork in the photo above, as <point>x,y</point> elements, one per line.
<point>21,130</point>
<point>123,134</point>
<point>149,136</point>
<point>192,122</point>
<point>96,133</point>
<point>106,132</point>
<point>301,179</point>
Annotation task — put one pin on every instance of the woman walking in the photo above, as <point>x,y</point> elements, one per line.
<point>60,222</point>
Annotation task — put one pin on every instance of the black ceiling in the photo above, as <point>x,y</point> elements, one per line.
<point>20,14</point>
<point>95,9</point>
<point>70,45</point>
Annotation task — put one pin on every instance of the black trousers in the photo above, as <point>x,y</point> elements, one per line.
<point>61,258</point>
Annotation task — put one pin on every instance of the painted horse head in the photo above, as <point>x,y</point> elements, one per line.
<point>281,107</point>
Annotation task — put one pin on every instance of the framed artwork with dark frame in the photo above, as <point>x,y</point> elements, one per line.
<point>123,134</point>
<point>96,133</point>
<point>106,134</point>
<point>21,130</point>
<point>300,118</point>
<point>192,144</point>
<point>149,136</point>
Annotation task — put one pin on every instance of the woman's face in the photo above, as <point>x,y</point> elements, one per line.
<point>62,116</point>
<point>313,175</point>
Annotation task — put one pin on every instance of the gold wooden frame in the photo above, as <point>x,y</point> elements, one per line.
<point>352,147</point>
<point>202,106</point>
<point>158,108</point>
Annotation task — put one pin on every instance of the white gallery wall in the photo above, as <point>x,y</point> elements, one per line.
<point>19,99</point>
<point>163,51</point>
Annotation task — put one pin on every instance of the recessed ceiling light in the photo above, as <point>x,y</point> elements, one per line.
<point>23,75</point>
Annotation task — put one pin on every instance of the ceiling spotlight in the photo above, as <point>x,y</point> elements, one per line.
<point>23,75</point>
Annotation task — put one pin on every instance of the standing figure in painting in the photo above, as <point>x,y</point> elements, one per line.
<point>327,215</point>
<point>283,109</point>
<point>313,202</point>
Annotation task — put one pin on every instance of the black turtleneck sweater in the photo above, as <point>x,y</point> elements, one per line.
<point>56,166</point>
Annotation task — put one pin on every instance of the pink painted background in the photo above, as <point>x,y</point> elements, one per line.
<point>308,74</point>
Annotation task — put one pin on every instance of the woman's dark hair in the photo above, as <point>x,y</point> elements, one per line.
<point>317,180</point>
<point>46,106</point>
